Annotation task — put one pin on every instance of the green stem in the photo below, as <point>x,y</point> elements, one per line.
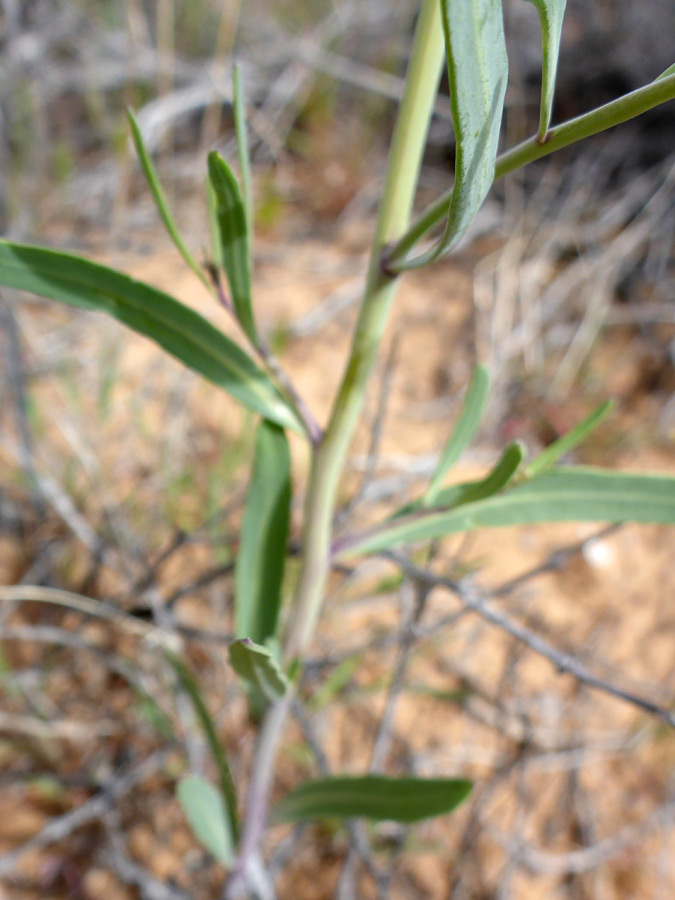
<point>403,167</point>
<point>329,454</point>
<point>600,119</point>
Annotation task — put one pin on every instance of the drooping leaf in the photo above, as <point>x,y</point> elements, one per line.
<point>551,14</point>
<point>550,456</point>
<point>262,553</point>
<point>258,669</point>
<point>464,431</point>
<point>228,792</point>
<point>160,199</point>
<point>477,74</point>
<point>205,811</point>
<point>574,494</point>
<point>372,797</point>
<point>233,229</point>
<point>179,330</point>
<point>239,107</point>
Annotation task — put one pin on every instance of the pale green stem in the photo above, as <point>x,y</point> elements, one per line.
<point>600,119</point>
<point>329,455</point>
<point>405,159</point>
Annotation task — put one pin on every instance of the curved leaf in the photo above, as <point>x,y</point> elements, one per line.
<point>160,199</point>
<point>575,494</point>
<point>464,431</point>
<point>232,225</point>
<point>258,668</point>
<point>179,330</point>
<point>551,14</point>
<point>262,553</point>
<point>372,797</point>
<point>205,811</point>
<point>477,73</point>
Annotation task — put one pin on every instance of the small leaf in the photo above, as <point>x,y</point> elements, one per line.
<point>464,431</point>
<point>258,668</point>
<point>669,71</point>
<point>205,811</point>
<point>550,456</point>
<point>470,491</point>
<point>179,330</point>
<point>262,553</point>
<point>233,229</point>
<point>551,14</point>
<point>160,199</point>
<point>243,156</point>
<point>208,726</point>
<point>372,797</point>
<point>574,494</point>
<point>477,74</point>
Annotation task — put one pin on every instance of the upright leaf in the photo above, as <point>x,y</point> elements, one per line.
<point>239,106</point>
<point>551,14</point>
<point>669,71</point>
<point>205,811</point>
<point>179,330</point>
<point>550,456</point>
<point>574,494</point>
<point>160,199</point>
<point>233,229</point>
<point>258,669</point>
<point>477,74</point>
<point>464,431</point>
<point>262,553</point>
<point>372,797</point>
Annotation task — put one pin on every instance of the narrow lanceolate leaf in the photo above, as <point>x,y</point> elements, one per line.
<point>205,720</point>
<point>205,811</point>
<point>669,71</point>
<point>160,199</point>
<point>233,229</point>
<point>477,73</point>
<point>575,494</point>
<point>496,480</point>
<point>470,491</point>
<point>239,106</point>
<point>179,330</point>
<point>262,553</point>
<point>550,456</point>
<point>464,431</point>
<point>372,797</point>
<point>258,669</point>
<point>551,14</point>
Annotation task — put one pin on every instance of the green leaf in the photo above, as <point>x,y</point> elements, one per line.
<point>372,797</point>
<point>550,456</point>
<point>258,668</point>
<point>242,150</point>
<point>227,788</point>
<point>464,431</point>
<point>179,330</point>
<point>551,14</point>
<point>205,811</point>
<point>231,219</point>
<point>475,50</point>
<point>160,199</point>
<point>470,491</point>
<point>260,562</point>
<point>575,494</point>
<point>669,71</point>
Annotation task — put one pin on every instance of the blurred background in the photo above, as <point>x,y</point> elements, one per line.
<point>122,475</point>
